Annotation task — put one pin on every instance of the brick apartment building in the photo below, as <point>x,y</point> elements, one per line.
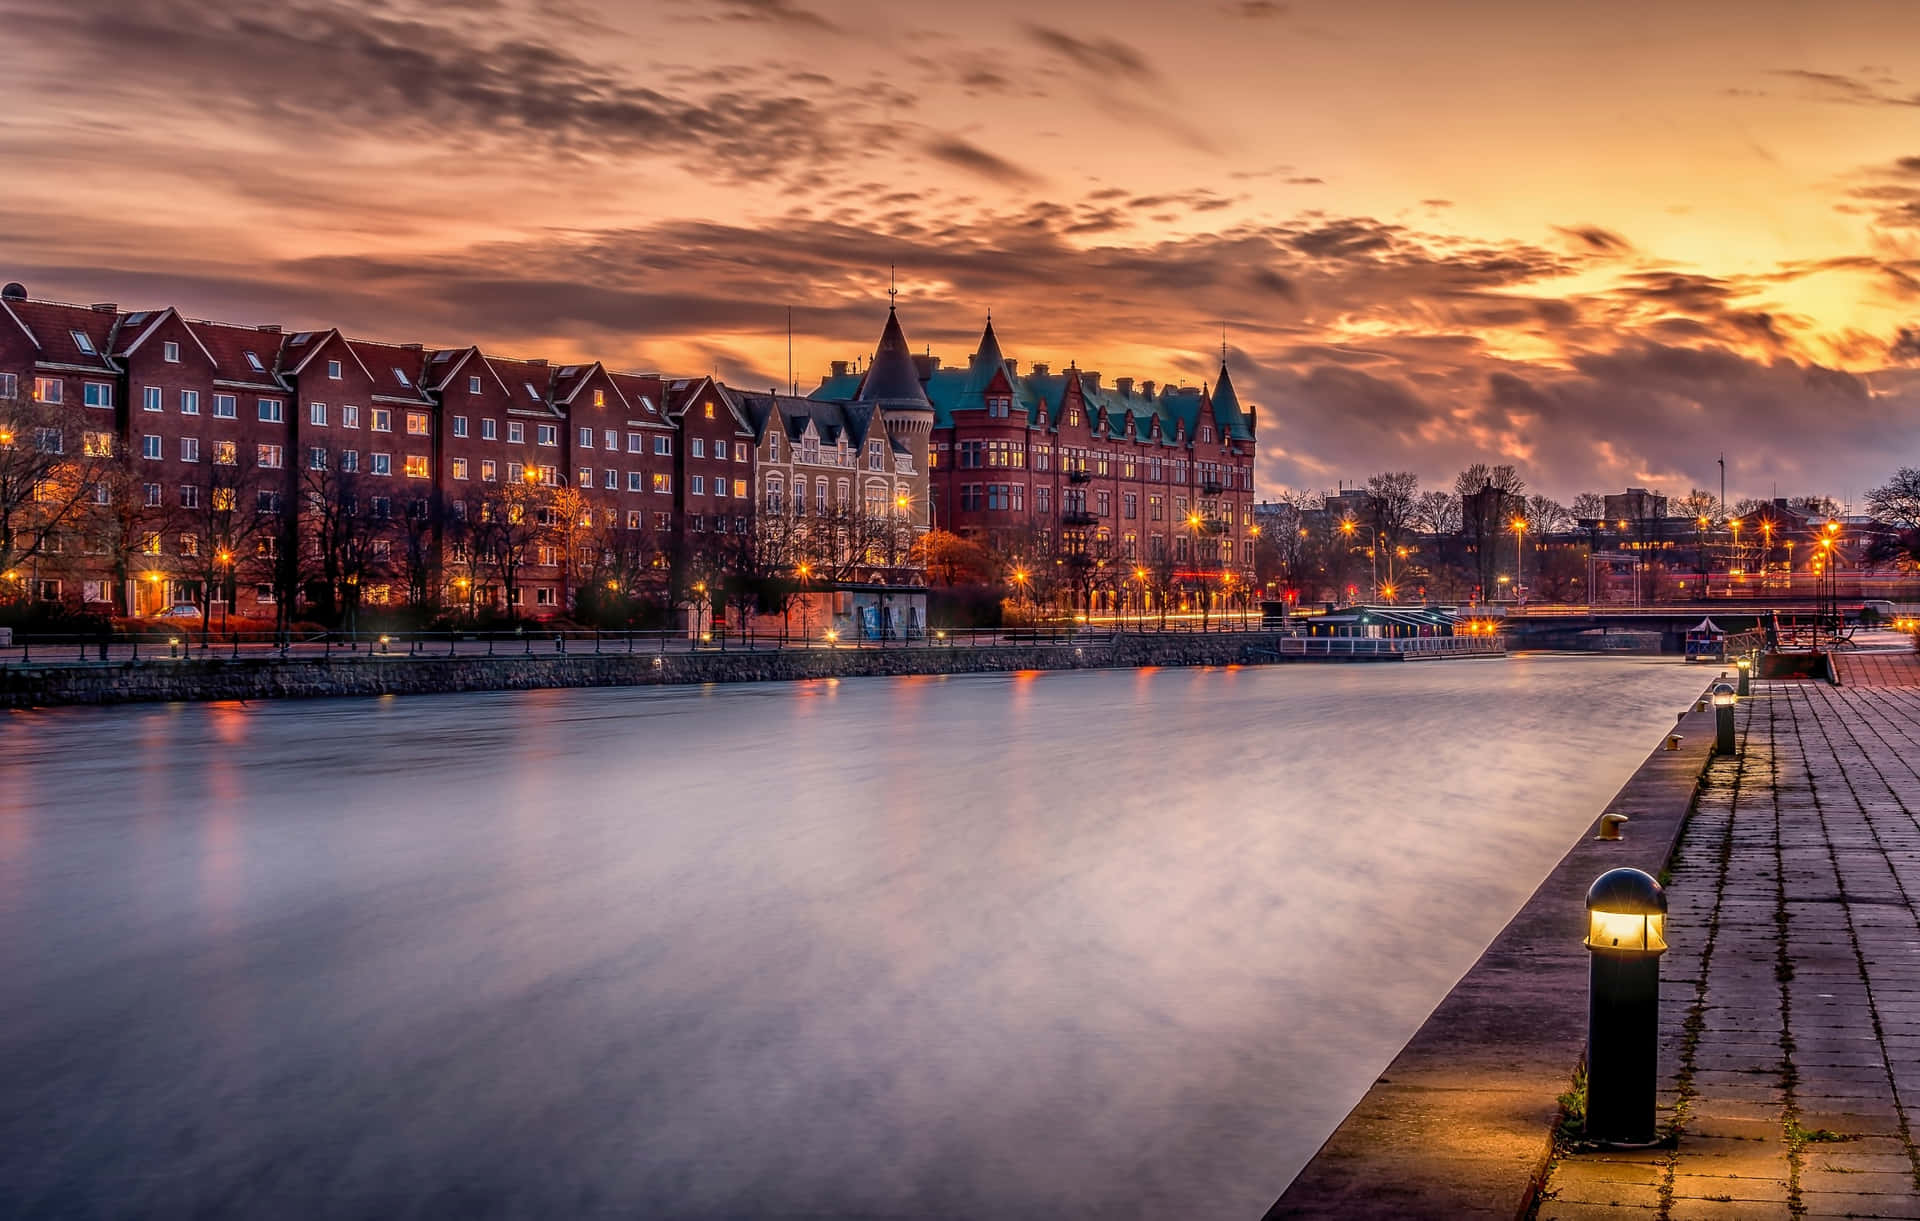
<point>1129,472</point>
<point>251,466</point>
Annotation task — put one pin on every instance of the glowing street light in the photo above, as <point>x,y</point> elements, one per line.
<point>1723,701</point>
<point>1626,934</point>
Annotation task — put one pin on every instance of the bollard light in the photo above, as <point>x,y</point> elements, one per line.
<point>173,646</point>
<point>383,643</point>
<point>1746,675</point>
<point>1626,934</point>
<point>1723,700</point>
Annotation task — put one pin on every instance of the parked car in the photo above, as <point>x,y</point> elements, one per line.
<point>180,610</point>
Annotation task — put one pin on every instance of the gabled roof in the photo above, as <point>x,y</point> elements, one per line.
<point>570,380</point>
<point>444,364</point>
<point>644,393</point>
<point>231,346</point>
<point>526,383</point>
<point>792,414</point>
<point>51,326</point>
<point>396,369</point>
<point>299,349</point>
<point>136,329</point>
<point>892,379</point>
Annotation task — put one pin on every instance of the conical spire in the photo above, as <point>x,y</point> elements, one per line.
<point>892,379</point>
<point>1225,401</point>
<point>987,361</point>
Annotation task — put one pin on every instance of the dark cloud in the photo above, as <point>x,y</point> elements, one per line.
<point>1595,239</point>
<point>774,12</point>
<point>330,69</point>
<point>1877,89</point>
<point>1258,10</point>
<point>977,160</point>
<point>1906,346</point>
<point>1101,55</point>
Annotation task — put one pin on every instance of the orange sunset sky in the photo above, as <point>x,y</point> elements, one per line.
<point>1602,242</point>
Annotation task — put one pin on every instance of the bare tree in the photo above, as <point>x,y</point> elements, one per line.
<point>1699,503</point>
<point>507,527</point>
<point>1394,497</point>
<point>1437,513</point>
<point>53,472</point>
<point>129,527</point>
<point>1546,515</point>
<point>1897,501</point>
<point>218,532</point>
<point>1588,506</point>
<point>348,536</point>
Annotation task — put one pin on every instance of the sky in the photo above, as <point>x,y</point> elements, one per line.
<point>1606,244</point>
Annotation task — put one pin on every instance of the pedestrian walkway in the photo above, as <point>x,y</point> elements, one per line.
<point>1790,1005</point>
<point>1878,669</point>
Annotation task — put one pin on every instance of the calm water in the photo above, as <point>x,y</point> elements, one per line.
<point>1023,946</point>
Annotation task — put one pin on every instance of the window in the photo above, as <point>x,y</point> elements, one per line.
<point>226,453</point>
<point>1130,505</point>
<point>543,596</point>
<point>417,424</point>
<point>399,375</point>
<point>9,386</point>
<point>611,439</point>
<point>170,352</point>
<point>382,464</point>
<point>382,420</point>
<point>489,430</point>
<point>49,389</point>
<point>550,476</point>
<point>636,444</point>
<point>97,394</point>
<point>1043,500</point>
<point>271,410</point>
<point>773,446</point>
<point>189,449</point>
<point>349,416</point>
<point>96,444</point>
<point>223,500</point>
<point>350,461</point>
<point>189,402</point>
<point>875,451</point>
<point>269,456</point>
<point>459,426</point>
<point>227,407</point>
<point>663,521</point>
<point>584,476</point>
<point>599,398</point>
<point>253,361</point>
<point>613,480</point>
<point>636,482</point>
<point>709,409</point>
<point>663,446</point>
<point>473,385</point>
<point>316,457</point>
<point>515,472</point>
<point>317,414</point>
<point>150,398</point>
<point>739,451</point>
<point>489,471</point>
<point>699,448</point>
<point>189,496</point>
<point>333,370</point>
<point>697,521</point>
<point>547,434</point>
<point>740,489</point>
<point>516,433</point>
<point>662,482</point>
<point>970,455</point>
<point>459,468</point>
<point>189,544</point>
<point>49,441</point>
<point>382,507</point>
<point>586,438</point>
<point>1156,508</point>
<point>1105,502</point>
<point>150,447</point>
<point>699,485</point>
<point>635,519</point>
<point>970,498</point>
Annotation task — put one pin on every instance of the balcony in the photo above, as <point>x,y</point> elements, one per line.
<point>1079,475</point>
<point>1077,517</point>
<point>1211,488</point>
<point>1215,525</point>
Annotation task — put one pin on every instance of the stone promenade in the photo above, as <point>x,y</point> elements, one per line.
<point>1791,997</point>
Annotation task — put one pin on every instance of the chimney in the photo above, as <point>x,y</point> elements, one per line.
<point>537,364</point>
<point>410,347</point>
<point>268,328</point>
<point>1090,377</point>
<point>1146,387</point>
<point>1124,385</point>
<point>104,307</point>
<point>1013,368</point>
<point>839,368</point>
<point>1040,368</point>
<point>924,365</point>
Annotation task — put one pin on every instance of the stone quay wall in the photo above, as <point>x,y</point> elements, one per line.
<point>252,678</point>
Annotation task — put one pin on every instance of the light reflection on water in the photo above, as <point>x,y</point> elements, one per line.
<point>1129,941</point>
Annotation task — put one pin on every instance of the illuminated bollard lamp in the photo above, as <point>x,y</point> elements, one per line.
<point>1723,700</point>
<point>1746,676</point>
<point>1626,934</point>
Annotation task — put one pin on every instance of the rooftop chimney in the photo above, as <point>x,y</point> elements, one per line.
<point>924,365</point>
<point>1146,387</point>
<point>1124,385</point>
<point>1090,377</point>
<point>270,328</point>
<point>1040,368</point>
<point>104,307</point>
<point>541,363</point>
<point>1013,367</point>
<point>410,347</point>
<point>839,368</point>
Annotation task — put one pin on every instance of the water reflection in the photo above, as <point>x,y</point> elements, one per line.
<point>1125,942</point>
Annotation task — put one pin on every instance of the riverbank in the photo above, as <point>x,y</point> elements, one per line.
<point>1461,1122</point>
<point>254,676</point>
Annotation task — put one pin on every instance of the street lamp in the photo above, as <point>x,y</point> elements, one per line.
<point>1519,561</point>
<point>1626,934</point>
<point>1349,527</point>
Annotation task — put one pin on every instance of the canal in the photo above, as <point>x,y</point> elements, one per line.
<point>1118,942</point>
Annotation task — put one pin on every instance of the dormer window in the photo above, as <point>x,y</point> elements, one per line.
<point>531,392</point>
<point>170,352</point>
<point>253,360</point>
<point>401,377</point>
<point>1206,434</point>
<point>473,385</point>
<point>333,370</point>
<point>81,341</point>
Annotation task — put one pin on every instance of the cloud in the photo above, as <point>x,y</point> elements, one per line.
<point>1854,90</point>
<point>1258,10</point>
<point>773,12</point>
<point>1594,239</point>
<point>1101,55</point>
<point>976,160</point>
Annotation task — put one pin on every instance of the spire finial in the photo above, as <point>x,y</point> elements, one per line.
<point>1223,345</point>
<point>893,286</point>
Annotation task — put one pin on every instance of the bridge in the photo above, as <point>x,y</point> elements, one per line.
<point>1548,627</point>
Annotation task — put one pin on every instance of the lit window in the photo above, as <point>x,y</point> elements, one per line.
<point>416,466</point>
<point>269,456</point>
<point>459,468</point>
<point>97,444</point>
<point>709,410</point>
<point>599,398</point>
<point>49,389</point>
<point>662,482</point>
<point>226,453</point>
<point>489,470</point>
<point>382,420</point>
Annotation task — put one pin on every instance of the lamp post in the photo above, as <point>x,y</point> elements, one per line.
<point>1626,934</point>
<point>1349,527</point>
<point>1745,665</point>
<point>1519,559</point>
<point>1723,701</point>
